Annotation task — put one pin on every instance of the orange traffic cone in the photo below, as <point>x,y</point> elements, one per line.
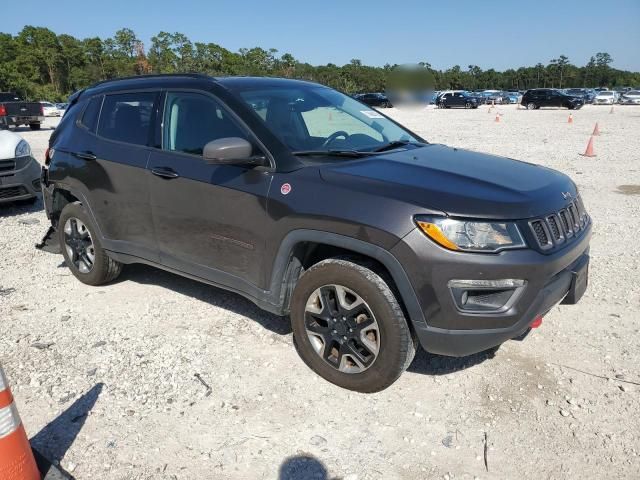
<point>596,130</point>
<point>16,457</point>
<point>497,118</point>
<point>570,120</point>
<point>589,151</point>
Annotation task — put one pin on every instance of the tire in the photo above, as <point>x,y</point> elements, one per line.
<point>103,269</point>
<point>383,320</point>
<point>531,106</point>
<point>35,126</point>
<point>467,105</point>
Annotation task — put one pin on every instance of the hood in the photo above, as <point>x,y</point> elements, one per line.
<point>8,143</point>
<point>457,182</point>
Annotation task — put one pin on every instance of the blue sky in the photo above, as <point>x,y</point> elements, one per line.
<point>497,34</point>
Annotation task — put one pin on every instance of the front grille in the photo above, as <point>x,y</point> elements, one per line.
<point>7,165</point>
<point>558,228</point>
<point>11,192</point>
<point>540,231</point>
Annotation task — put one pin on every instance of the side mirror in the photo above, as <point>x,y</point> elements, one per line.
<point>230,151</point>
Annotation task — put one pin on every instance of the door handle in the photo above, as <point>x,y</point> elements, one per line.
<point>164,172</point>
<point>85,155</point>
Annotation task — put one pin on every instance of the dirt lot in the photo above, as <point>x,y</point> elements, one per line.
<point>105,378</point>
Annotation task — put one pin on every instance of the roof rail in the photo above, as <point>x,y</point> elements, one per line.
<point>152,75</point>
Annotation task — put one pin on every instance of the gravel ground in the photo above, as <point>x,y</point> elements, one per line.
<point>159,377</point>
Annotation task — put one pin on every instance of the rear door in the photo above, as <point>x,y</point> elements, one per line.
<point>210,219</point>
<point>115,161</point>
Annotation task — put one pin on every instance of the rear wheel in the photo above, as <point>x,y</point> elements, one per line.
<point>34,126</point>
<point>348,326</point>
<point>82,250</point>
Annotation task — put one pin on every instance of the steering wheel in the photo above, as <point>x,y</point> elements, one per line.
<point>334,136</point>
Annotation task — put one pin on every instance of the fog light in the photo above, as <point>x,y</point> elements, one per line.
<point>485,295</point>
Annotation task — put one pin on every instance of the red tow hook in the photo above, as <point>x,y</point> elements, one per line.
<point>536,322</point>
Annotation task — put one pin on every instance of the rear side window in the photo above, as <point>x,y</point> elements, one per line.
<point>90,115</point>
<point>126,117</point>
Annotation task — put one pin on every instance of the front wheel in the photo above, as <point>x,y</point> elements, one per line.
<point>81,247</point>
<point>531,106</point>
<point>467,105</point>
<point>348,326</point>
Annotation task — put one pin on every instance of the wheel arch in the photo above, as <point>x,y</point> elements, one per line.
<point>302,248</point>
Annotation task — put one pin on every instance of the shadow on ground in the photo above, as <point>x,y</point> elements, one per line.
<point>430,364</point>
<point>21,207</point>
<point>56,437</point>
<point>205,293</point>
<point>303,467</point>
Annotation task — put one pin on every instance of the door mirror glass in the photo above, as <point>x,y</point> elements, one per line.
<point>230,150</point>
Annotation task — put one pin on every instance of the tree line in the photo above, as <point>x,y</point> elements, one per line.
<point>40,64</point>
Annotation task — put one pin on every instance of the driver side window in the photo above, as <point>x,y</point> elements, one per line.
<point>191,120</point>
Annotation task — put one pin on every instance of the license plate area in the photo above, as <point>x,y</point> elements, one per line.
<point>579,282</point>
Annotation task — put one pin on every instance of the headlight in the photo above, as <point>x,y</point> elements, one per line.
<point>23,149</point>
<point>471,236</point>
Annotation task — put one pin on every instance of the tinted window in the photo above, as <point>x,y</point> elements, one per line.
<point>126,117</point>
<point>90,114</point>
<point>192,120</point>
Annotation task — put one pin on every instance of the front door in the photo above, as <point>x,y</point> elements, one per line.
<point>209,219</point>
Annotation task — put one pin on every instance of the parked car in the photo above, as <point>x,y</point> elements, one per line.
<point>19,171</point>
<point>374,99</point>
<point>495,96</point>
<point>582,93</point>
<point>62,107</point>
<point>15,112</point>
<point>512,97</point>
<point>631,97</point>
<point>606,97</point>
<point>49,109</point>
<point>369,238</point>
<point>548,97</point>
<point>456,98</point>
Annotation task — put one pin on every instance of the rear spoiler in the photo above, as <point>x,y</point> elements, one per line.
<point>73,98</point>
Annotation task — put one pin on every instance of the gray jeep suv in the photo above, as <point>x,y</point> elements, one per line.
<point>317,207</point>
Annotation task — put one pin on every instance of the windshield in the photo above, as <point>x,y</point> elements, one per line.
<point>605,94</point>
<point>633,92</point>
<point>309,118</point>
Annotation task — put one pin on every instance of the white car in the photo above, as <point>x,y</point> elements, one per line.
<point>50,110</point>
<point>632,97</point>
<point>19,171</point>
<point>605,97</point>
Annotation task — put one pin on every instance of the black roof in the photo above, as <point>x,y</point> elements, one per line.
<point>195,79</point>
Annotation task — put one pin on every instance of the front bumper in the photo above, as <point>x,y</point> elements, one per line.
<point>447,330</point>
<point>21,184</point>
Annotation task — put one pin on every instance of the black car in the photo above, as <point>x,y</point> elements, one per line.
<point>369,238</point>
<point>548,97</point>
<point>585,94</point>
<point>457,99</point>
<point>374,99</point>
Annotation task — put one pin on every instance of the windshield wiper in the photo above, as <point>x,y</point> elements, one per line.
<point>332,153</point>
<point>392,145</point>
